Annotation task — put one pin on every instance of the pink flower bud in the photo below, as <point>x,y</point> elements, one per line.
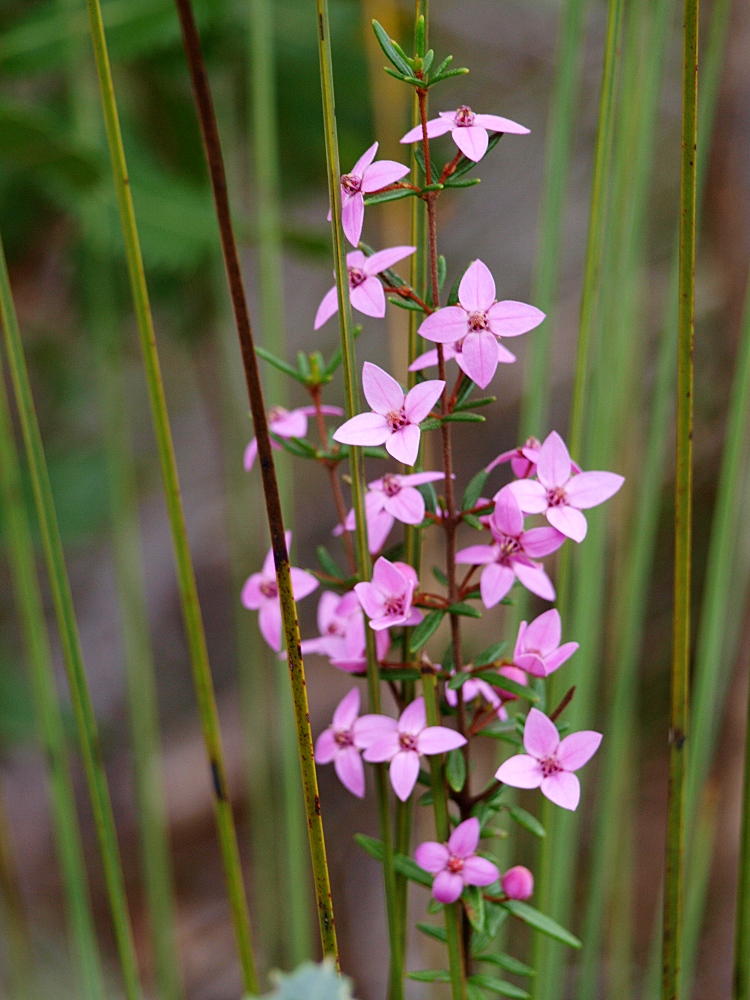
<point>513,674</point>
<point>518,883</point>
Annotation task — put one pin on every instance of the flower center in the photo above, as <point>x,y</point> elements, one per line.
<point>391,485</point>
<point>394,606</point>
<point>532,442</point>
<point>509,547</point>
<point>556,496</point>
<point>335,628</point>
<point>269,589</point>
<point>276,413</point>
<point>455,865</point>
<point>356,277</point>
<point>397,419</point>
<point>351,183</point>
<point>407,741</point>
<point>550,766</point>
<point>464,116</point>
<point>343,738</point>
<point>478,321</point>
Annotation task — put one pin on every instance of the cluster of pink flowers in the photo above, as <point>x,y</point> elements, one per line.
<point>394,603</point>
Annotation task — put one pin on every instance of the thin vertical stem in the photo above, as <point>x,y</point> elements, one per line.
<point>741,977</point>
<point>212,145</point>
<point>673,889</point>
<point>191,611</point>
<point>83,709</point>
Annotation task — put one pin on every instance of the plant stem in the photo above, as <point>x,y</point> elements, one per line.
<point>212,144</point>
<point>83,709</point>
<point>191,611</point>
<point>673,889</point>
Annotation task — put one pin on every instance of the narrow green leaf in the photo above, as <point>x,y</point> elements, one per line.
<point>447,75</point>
<point>455,769</point>
<point>430,976</point>
<point>460,608</point>
<point>433,931</point>
<point>499,986</point>
<point>328,563</point>
<point>507,963</point>
<point>473,490</point>
<point>425,630</point>
<point>506,684</point>
<point>492,653</point>
<point>461,182</point>
<point>442,271</point>
<point>395,195</point>
<point>472,404</point>
<point>473,901</point>
<point>473,521</point>
<point>540,922</point>
<point>390,50</point>
<point>282,366</point>
<point>430,424</point>
<point>397,300</point>
<point>440,576</point>
<point>527,821</point>
<point>464,418</point>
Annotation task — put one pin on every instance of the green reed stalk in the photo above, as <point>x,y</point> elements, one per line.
<point>214,156</point>
<point>185,573</point>
<point>18,949</point>
<point>356,465</point>
<point>741,976</point>
<point>139,664</point>
<point>271,301</point>
<point>673,888</point>
<point>48,714</point>
<point>558,150</point>
<point>83,709</point>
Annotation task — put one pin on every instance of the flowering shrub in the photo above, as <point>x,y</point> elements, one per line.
<point>377,623</point>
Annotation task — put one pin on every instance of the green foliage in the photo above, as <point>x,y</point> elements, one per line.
<point>541,922</point>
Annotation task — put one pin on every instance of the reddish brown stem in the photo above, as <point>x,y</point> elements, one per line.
<point>408,293</point>
<point>563,704</point>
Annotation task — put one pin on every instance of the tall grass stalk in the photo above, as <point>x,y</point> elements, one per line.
<point>185,573</point>
<point>356,468</point>
<point>48,715</point>
<point>214,156</point>
<point>17,946</point>
<point>83,709</point>
<point>266,202</point>
<point>673,886</point>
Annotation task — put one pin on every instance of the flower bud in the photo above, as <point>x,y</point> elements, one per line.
<point>513,674</point>
<point>518,883</point>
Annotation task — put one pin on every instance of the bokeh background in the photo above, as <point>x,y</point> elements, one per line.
<point>56,196</point>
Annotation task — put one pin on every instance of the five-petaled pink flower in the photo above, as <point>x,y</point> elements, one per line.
<point>365,291</point>
<point>396,416</point>
<point>518,883</point>
<point>456,863</point>
<point>560,493</point>
<point>512,554</point>
<point>386,600</point>
<point>522,459</point>
<point>469,130</point>
<point>549,762</point>
<point>343,742</point>
<point>538,650</point>
<point>477,324</point>
<point>471,689</point>
<point>261,593</point>
<point>402,743</point>
<point>365,177</point>
<point>342,633</point>
<point>287,424</point>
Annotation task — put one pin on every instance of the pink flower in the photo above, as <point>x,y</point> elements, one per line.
<point>366,177</point>
<point>402,743</point>
<point>456,863</point>
<point>518,883</point>
<point>386,600</point>
<point>522,459</point>
<point>549,763</point>
<point>538,650</point>
<point>560,493</point>
<point>287,424</point>
<point>342,633</point>
<point>472,689</point>
<point>365,291</point>
<point>342,743</point>
<point>477,324</point>
<point>396,417</point>
<point>512,554</point>
<point>469,130</point>
<point>261,593</point>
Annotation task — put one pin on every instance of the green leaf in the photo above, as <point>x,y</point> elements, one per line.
<point>310,982</point>
<point>455,770</point>
<point>430,976</point>
<point>507,963</point>
<point>433,931</point>
<point>447,75</point>
<point>328,563</point>
<point>430,496</point>
<point>33,140</point>
<point>427,62</point>
<point>419,36</point>
<point>303,365</point>
<point>430,424</point>
<point>506,684</point>
<point>499,986</point>
<point>473,901</point>
<point>459,680</point>
<point>375,453</point>
<point>461,608</point>
<point>442,271</point>
<point>540,922</point>
<point>400,674</point>
<point>427,627</point>
<point>403,865</point>
<point>444,65</point>
<point>419,157</point>
<point>527,821</point>
<point>472,404</point>
<point>473,490</point>
<point>492,653</point>
<point>282,366</point>
<point>473,521</point>
<point>397,300</point>
<point>464,418</point>
<point>440,576</point>
<point>466,389</point>
<point>296,447</point>
<point>473,992</point>
<point>391,50</point>
<point>395,195</point>
<point>461,182</point>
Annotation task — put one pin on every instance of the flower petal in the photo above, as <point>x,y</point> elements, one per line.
<point>353,217</point>
<point>420,400</point>
<point>589,489</point>
<point>404,772</point>
<point>327,308</point>
<point>426,360</point>
<point>369,298</point>
<point>325,747</point>
<point>351,771</point>
<point>382,174</point>
<point>495,583</point>
<point>507,517</point>
<point>407,506</point>
<point>327,609</point>
<point>472,140</point>
<point>540,736</point>
<point>445,326</point>
<point>370,729</point>
<point>269,622</point>
<point>569,520</point>
<point>435,127</point>
<point>384,749</point>
<point>364,429</point>
<point>476,555</point>
<point>382,391</point>
<point>252,596</point>
<point>578,748</point>
<point>479,871</point>
<point>563,788</point>
<point>530,495</point>
<point>302,583</point>
<point>464,839</point>
<point>447,887</point>
<point>556,659</point>
<point>539,542</point>
<point>544,633</point>
<point>413,718</point>
<point>480,357</point>
<point>476,292</point>
<point>371,599</point>
<point>520,771</point>
<point>359,168</point>
<point>431,856</point>
<point>378,529</point>
<point>347,711</point>
<point>510,319</point>
<point>250,454</point>
<point>418,478</point>
<point>553,464</point>
<point>439,739</point>
<point>384,259</point>
<point>497,124</point>
<point>403,445</point>
<point>535,579</point>
<point>389,579</point>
